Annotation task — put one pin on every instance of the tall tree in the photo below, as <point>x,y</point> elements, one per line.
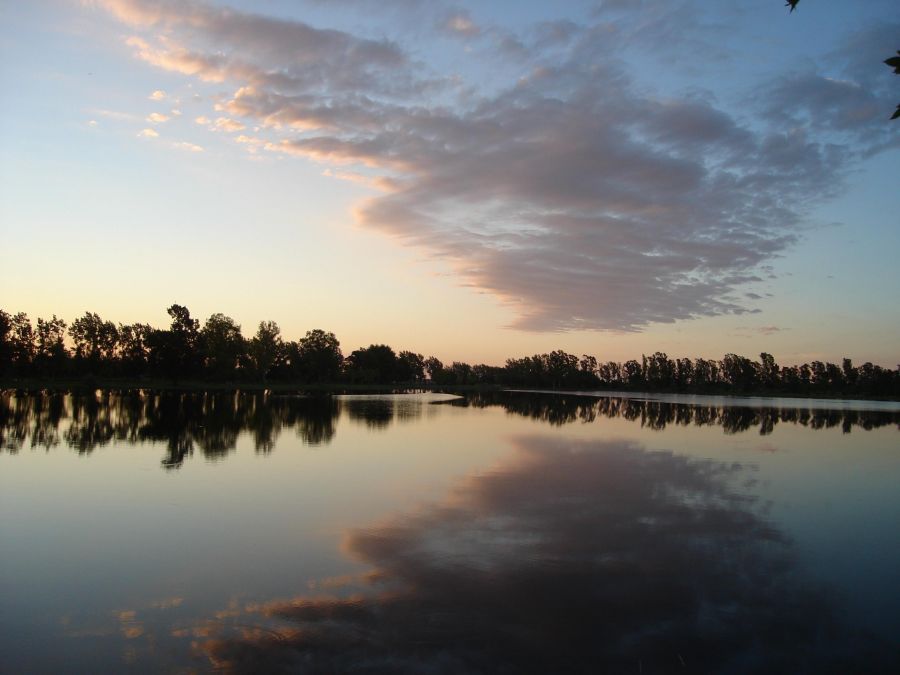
<point>95,341</point>
<point>222,346</point>
<point>768,371</point>
<point>185,339</point>
<point>51,351</point>
<point>22,343</point>
<point>6,345</point>
<point>410,367</point>
<point>434,368</point>
<point>739,371</point>
<point>265,348</point>
<point>133,347</point>
<point>320,357</point>
<point>372,364</point>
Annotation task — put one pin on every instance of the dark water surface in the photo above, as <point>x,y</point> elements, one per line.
<point>501,533</point>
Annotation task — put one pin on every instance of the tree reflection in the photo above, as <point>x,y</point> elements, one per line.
<point>572,557</point>
<point>34,417</point>
<point>213,422</point>
<point>375,413</point>
<point>560,409</point>
<point>210,423</point>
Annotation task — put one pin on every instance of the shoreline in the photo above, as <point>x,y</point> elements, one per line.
<point>80,385</point>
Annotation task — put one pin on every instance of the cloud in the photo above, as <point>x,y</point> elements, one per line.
<point>459,23</point>
<point>769,330</point>
<point>845,96</point>
<point>184,145</point>
<point>147,133</point>
<point>753,331</point>
<point>203,119</point>
<point>575,195</point>
<point>157,118</point>
<point>229,125</point>
<point>117,115</point>
<point>257,49</point>
<point>157,95</point>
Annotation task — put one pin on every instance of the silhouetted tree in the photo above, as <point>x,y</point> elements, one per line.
<point>611,373</point>
<point>659,371</point>
<point>51,353</point>
<point>849,373</point>
<point>175,352</point>
<point>588,367</point>
<point>372,364</point>
<point>410,367</point>
<point>460,373</point>
<point>22,343</point>
<point>684,374</point>
<point>739,372</point>
<point>6,346</point>
<point>133,348</point>
<point>265,348</point>
<point>219,351</point>
<point>434,368</point>
<point>633,373</point>
<point>223,346</point>
<point>768,371</point>
<point>320,357</point>
<point>561,369</point>
<point>95,341</point>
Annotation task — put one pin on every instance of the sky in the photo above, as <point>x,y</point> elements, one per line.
<point>474,181</point>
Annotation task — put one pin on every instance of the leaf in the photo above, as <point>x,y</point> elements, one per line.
<point>894,62</point>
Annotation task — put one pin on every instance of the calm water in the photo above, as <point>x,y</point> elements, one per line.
<point>425,533</point>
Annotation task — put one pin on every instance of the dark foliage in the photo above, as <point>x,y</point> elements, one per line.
<point>220,353</point>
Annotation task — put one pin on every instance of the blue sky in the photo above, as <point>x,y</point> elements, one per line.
<point>470,180</point>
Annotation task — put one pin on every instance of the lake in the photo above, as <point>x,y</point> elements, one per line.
<point>495,533</point>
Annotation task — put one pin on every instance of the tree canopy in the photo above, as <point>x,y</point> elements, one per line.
<point>218,352</point>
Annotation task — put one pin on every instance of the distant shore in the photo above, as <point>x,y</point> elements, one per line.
<point>280,387</point>
<point>82,384</point>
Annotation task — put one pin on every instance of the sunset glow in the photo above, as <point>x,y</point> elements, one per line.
<point>475,181</point>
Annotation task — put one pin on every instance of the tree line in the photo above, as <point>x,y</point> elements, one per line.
<point>217,351</point>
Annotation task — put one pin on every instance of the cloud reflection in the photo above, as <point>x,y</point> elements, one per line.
<point>572,556</point>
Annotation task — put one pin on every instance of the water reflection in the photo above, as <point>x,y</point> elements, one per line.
<point>212,423</point>
<point>572,556</point>
<point>559,409</point>
<point>184,422</point>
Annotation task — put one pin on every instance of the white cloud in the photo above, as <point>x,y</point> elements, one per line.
<point>147,133</point>
<point>157,118</point>
<point>117,115</point>
<point>229,125</point>
<point>184,145</point>
<point>203,119</point>
<point>157,95</point>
